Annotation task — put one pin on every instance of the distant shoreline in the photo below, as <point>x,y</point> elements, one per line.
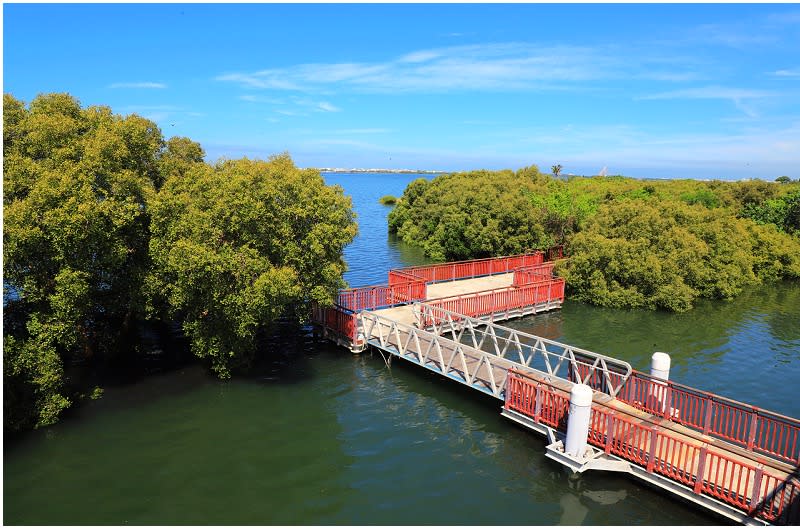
<point>395,171</point>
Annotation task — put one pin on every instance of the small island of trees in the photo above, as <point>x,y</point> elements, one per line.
<point>108,226</point>
<point>632,243</point>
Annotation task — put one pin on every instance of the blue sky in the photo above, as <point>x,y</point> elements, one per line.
<point>676,90</point>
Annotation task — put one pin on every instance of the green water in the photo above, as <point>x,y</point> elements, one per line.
<point>325,437</point>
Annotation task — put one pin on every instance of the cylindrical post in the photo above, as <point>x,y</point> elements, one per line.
<point>659,366</point>
<point>580,409</point>
<point>659,369</point>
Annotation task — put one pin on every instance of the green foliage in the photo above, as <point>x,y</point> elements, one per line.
<point>665,255</point>
<point>783,212</point>
<point>658,244</point>
<point>706,197</point>
<point>783,179</point>
<point>178,157</point>
<point>105,223</point>
<point>237,245</point>
<point>76,183</point>
<point>475,214</point>
<point>388,200</point>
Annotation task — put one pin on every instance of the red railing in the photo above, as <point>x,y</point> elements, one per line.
<point>473,268</point>
<point>556,252</point>
<point>533,274</point>
<point>497,300</point>
<point>597,379</point>
<point>407,285</point>
<point>382,296</point>
<point>755,429</point>
<point>337,319</point>
<point>748,488</point>
<point>399,276</point>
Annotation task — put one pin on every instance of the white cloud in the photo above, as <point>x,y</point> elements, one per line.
<point>738,96</point>
<point>327,107</point>
<point>711,92</point>
<point>787,74</point>
<point>144,84</point>
<point>502,66</point>
<point>420,56</point>
<point>346,132</point>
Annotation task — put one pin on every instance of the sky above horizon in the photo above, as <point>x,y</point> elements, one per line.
<point>646,90</point>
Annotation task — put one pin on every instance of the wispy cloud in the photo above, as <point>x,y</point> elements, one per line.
<point>327,107</point>
<point>141,84</point>
<point>161,113</point>
<point>786,74</point>
<point>710,92</point>
<point>738,35</point>
<point>738,96</point>
<point>499,66</point>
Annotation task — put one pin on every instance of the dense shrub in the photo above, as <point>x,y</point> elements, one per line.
<point>633,243</point>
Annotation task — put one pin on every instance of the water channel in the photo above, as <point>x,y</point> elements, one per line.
<point>325,437</point>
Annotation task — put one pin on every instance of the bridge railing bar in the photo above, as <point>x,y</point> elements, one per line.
<point>400,276</point>
<point>551,358</point>
<point>381,296</point>
<point>476,267</point>
<point>338,320</point>
<point>409,284</point>
<point>752,428</point>
<point>752,490</point>
<point>498,300</point>
<point>461,362</point>
<point>533,274</point>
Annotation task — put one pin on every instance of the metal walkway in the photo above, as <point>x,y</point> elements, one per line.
<point>733,459</point>
<point>533,377</point>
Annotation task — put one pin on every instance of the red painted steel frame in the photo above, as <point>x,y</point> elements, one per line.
<point>750,489</point>
<point>372,297</point>
<point>336,319</point>
<point>532,274</point>
<point>473,268</point>
<point>747,426</point>
<point>497,300</point>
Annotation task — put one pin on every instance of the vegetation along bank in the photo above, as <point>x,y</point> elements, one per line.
<point>632,243</point>
<point>108,226</point>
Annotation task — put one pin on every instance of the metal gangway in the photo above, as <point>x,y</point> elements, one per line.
<point>639,425</point>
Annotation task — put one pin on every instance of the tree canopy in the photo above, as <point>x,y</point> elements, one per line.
<point>238,244</point>
<point>633,243</point>
<point>106,223</point>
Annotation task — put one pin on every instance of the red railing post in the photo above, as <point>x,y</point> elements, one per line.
<point>755,496</point>
<point>609,432</point>
<point>701,469</point>
<point>751,435</point>
<point>651,456</point>
<point>707,419</point>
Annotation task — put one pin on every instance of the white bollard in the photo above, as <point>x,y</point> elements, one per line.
<point>659,369</point>
<point>580,409</point>
<point>659,366</point>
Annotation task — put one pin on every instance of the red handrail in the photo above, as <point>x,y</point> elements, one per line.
<point>532,274</point>
<point>336,319</point>
<point>754,491</point>
<point>373,297</point>
<point>473,268</point>
<point>496,300</point>
<point>755,429</point>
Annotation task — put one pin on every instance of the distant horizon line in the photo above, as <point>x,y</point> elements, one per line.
<point>562,176</point>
